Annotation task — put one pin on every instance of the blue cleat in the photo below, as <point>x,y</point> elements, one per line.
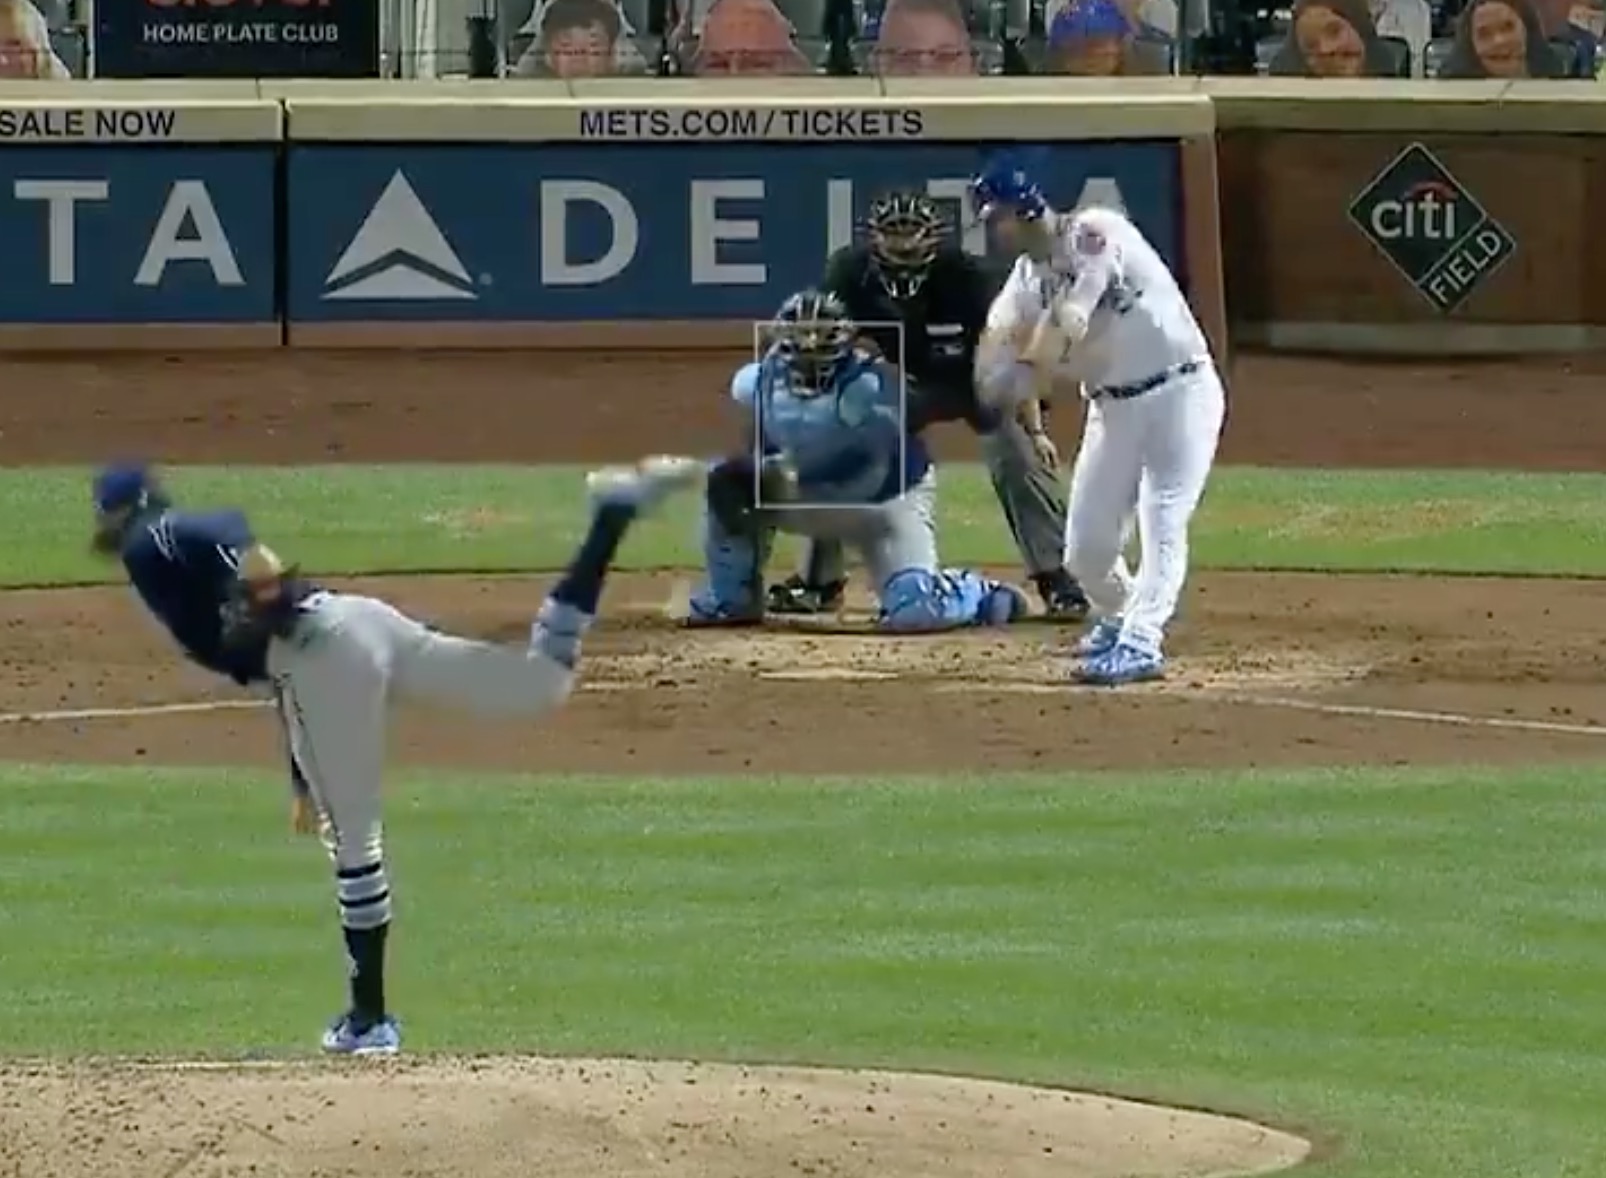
<point>1002,605</point>
<point>705,613</point>
<point>1099,640</point>
<point>1121,663</point>
<point>346,1036</point>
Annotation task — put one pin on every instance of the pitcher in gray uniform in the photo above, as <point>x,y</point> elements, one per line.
<point>337,661</point>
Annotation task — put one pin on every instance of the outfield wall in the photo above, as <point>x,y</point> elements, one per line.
<point>522,214</point>
<point>672,213</point>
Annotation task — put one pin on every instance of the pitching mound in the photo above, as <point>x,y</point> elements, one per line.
<point>596,1119</point>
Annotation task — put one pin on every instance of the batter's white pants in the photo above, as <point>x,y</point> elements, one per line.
<point>1149,455</point>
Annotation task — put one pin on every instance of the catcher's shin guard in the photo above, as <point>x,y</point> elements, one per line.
<point>733,590</point>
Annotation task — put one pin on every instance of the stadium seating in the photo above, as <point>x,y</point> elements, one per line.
<point>574,38</point>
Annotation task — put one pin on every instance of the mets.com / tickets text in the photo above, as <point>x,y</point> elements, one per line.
<point>770,122</point>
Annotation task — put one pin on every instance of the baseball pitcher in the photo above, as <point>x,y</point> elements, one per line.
<point>1091,300</point>
<point>827,455</point>
<point>336,660</point>
<point>910,272</point>
<point>183,566</point>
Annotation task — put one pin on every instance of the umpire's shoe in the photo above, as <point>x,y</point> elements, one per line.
<point>1063,599</point>
<point>796,596</point>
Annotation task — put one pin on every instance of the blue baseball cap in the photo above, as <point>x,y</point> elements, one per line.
<point>122,485</point>
<point>1087,20</point>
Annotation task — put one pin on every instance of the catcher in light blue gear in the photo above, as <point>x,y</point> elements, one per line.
<point>829,457</point>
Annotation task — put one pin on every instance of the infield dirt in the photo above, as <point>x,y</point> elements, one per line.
<point>1259,658</point>
<point>658,699</point>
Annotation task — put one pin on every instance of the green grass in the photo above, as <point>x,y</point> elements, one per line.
<point>1341,950</point>
<point>346,519</point>
<point>1407,963</point>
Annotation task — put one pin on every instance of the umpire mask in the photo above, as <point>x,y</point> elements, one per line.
<point>906,231</point>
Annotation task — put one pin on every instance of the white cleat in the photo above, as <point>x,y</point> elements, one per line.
<point>646,484</point>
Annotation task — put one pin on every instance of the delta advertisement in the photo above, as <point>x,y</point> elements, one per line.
<point>494,233</point>
<point>136,235</point>
<point>482,233</point>
<point>236,38</point>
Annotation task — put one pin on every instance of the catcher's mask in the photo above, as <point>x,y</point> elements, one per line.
<point>906,230</point>
<point>123,493</point>
<point>813,334</point>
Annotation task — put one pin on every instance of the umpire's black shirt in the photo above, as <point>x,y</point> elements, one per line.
<point>941,324</point>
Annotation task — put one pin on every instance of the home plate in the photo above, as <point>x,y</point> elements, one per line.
<point>839,674</point>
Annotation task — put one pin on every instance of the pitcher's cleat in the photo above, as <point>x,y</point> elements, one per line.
<point>346,1036</point>
<point>646,484</point>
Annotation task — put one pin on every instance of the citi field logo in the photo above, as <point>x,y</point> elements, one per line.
<point>1431,228</point>
<point>399,255</point>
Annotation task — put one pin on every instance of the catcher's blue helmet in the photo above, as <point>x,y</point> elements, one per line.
<point>1004,186</point>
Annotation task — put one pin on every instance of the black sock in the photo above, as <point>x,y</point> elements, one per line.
<point>581,585</point>
<point>367,949</point>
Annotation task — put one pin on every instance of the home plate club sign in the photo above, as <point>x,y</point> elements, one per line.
<point>236,38</point>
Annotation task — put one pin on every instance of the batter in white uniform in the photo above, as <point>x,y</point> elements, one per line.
<point>1090,300</point>
<point>337,660</point>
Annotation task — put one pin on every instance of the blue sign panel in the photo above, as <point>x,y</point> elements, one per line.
<point>521,232</point>
<point>138,234</point>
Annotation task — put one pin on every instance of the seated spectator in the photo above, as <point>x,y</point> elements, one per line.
<point>25,50</point>
<point>1580,24</point>
<point>578,39</point>
<point>1409,20</point>
<point>923,38</point>
<point>1332,39</point>
<point>1152,27</point>
<point>1089,39</point>
<point>1500,39</point>
<point>574,39</point>
<point>747,37</point>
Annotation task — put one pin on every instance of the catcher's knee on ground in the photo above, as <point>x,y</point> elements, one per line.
<point>919,602</point>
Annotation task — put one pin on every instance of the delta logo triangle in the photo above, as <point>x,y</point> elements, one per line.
<point>399,255</point>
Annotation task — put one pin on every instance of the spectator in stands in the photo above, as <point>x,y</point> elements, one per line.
<point>1153,23</point>
<point>1409,20</point>
<point>924,38</point>
<point>578,39</point>
<point>1500,39</point>
<point>1089,39</point>
<point>575,39</point>
<point>748,37</point>
<point>1332,39</point>
<point>25,50</point>
<point>1576,27</point>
